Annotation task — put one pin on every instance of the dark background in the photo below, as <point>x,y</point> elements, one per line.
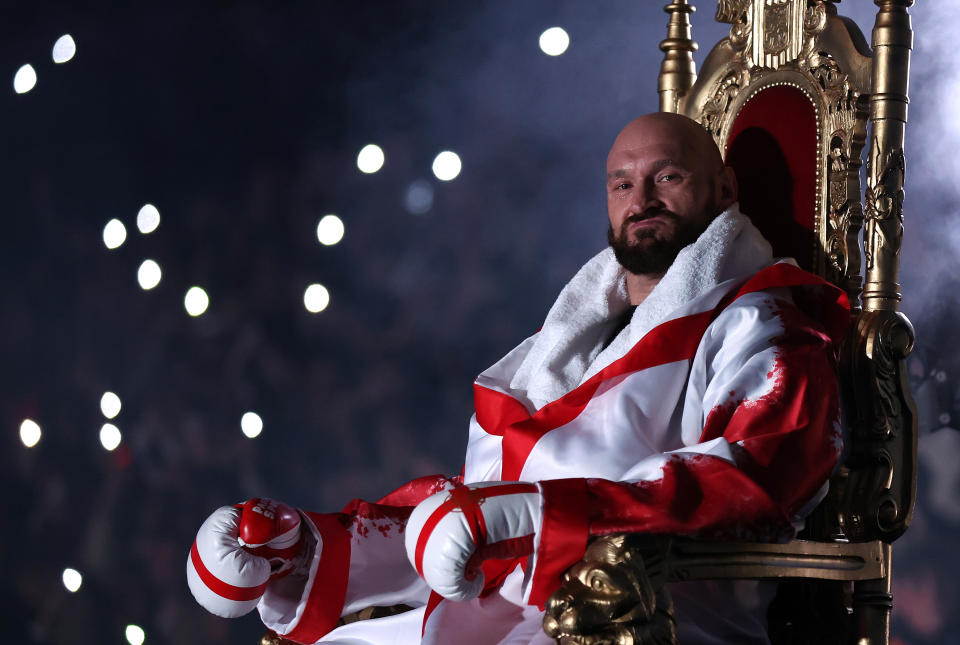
<point>241,122</point>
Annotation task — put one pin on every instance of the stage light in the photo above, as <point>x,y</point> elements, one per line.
<point>251,424</point>
<point>196,301</point>
<point>419,197</point>
<point>110,436</point>
<point>316,298</point>
<point>25,79</point>
<point>148,219</point>
<point>446,166</point>
<point>330,230</point>
<point>110,405</point>
<point>30,433</point>
<point>72,580</point>
<point>370,159</point>
<point>135,635</point>
<point>149,274</point>
<point>64,49</point>
<point>554,41</point>
<point>114,234</point>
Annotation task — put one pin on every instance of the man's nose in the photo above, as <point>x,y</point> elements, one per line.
<point>645,196</point>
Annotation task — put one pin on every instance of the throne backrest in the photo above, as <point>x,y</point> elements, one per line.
<point>789,97</point>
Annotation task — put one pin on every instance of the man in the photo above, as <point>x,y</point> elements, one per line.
<point>676,386</point>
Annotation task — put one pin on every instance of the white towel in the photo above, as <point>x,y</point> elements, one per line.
<point>569,347</point>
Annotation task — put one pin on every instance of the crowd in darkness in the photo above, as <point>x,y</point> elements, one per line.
<point>377,388</point>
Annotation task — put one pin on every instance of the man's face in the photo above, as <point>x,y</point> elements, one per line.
<point>661,195</point>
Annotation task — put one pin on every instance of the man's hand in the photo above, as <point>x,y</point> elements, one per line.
<point>238,550</point>
<point>450,534</point>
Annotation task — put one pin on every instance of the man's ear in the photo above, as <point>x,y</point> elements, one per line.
<point>727,189</point>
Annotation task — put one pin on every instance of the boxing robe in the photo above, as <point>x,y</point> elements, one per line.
<point>712,413</point>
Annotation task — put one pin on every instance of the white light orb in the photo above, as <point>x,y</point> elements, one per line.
<point>72,580</point>
<point>30,433</point>
<point>196,301</point>
<point>110,436</point>
<point>114,234</point>
<point>64,49</point>
<point>446,166</point>
<point>554,41</point>
<point>419,197</point>
<point>330,230</point>
<point>251,424</point>
<point>135,635</point>
<point>149,274</point>
<point>110,405</point>
<point>370,159</point>
<point>25,79</point>
<point>148,218</point>
<point>316,298</point>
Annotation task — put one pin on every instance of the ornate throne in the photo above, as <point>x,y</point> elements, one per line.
<point>791,97</point>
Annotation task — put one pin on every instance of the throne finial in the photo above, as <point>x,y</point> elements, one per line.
<point>678,71</point>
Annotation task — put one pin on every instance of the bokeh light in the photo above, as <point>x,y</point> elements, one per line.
<point>316,298</point>
<point>446,166</point>
<point>110,436</point>
<point>330,230</point>
<point>114,234</point>
<point>72,580</point>
<point>149,274</point>
<point>554,41</point>
<point>370,159</point>
<point>419,197</point>
<point>25,79</point>
<point>64,49</point>
<point>110,405</point>
<point>196,301</point>
<point>251,424</point>
<point>30,433</point>
<point>135,635</point>
<point>148,219</point>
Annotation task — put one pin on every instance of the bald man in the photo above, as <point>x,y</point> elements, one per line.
<point>665,182</point>
<point>676,387</point>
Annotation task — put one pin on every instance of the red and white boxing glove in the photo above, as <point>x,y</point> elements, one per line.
<point>238,550</point>
<point>451,533</point>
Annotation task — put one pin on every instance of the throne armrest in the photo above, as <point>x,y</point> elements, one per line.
<point>618,593</point>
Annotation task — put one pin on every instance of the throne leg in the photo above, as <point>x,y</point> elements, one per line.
<point>872,604</point>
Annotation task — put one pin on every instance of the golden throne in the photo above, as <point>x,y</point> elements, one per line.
<point>791,97</point>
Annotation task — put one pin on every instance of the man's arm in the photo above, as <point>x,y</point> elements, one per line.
<point>763,398</point>
<point>345,561</point>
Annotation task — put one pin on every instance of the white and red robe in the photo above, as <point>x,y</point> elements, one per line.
<point>713,413</point>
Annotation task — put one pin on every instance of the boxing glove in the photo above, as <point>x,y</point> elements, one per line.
<point>238,550</point>
<point>450,534</point>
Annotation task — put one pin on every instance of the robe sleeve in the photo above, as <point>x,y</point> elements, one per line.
<point>360,562</point>
<point>762,435</point>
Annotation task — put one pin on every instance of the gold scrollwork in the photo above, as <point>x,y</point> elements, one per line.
<point>715,111</point>
<point>615,595</point>
<point>736,13</point>
<point>884,217</point>
<point>815,19</point>
<point>876,501</point>
<point>844,120</point>
<point>776,28</point>
<point>838,203</point>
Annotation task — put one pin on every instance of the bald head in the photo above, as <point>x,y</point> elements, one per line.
<point>675,130</point>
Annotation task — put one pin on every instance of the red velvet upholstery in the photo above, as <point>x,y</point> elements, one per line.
<point>773,150</point>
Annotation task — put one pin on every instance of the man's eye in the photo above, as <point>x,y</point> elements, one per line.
<point>622,186</point>
<point>668,178</point>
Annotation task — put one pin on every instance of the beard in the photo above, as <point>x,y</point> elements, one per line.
<point>651,251</point>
